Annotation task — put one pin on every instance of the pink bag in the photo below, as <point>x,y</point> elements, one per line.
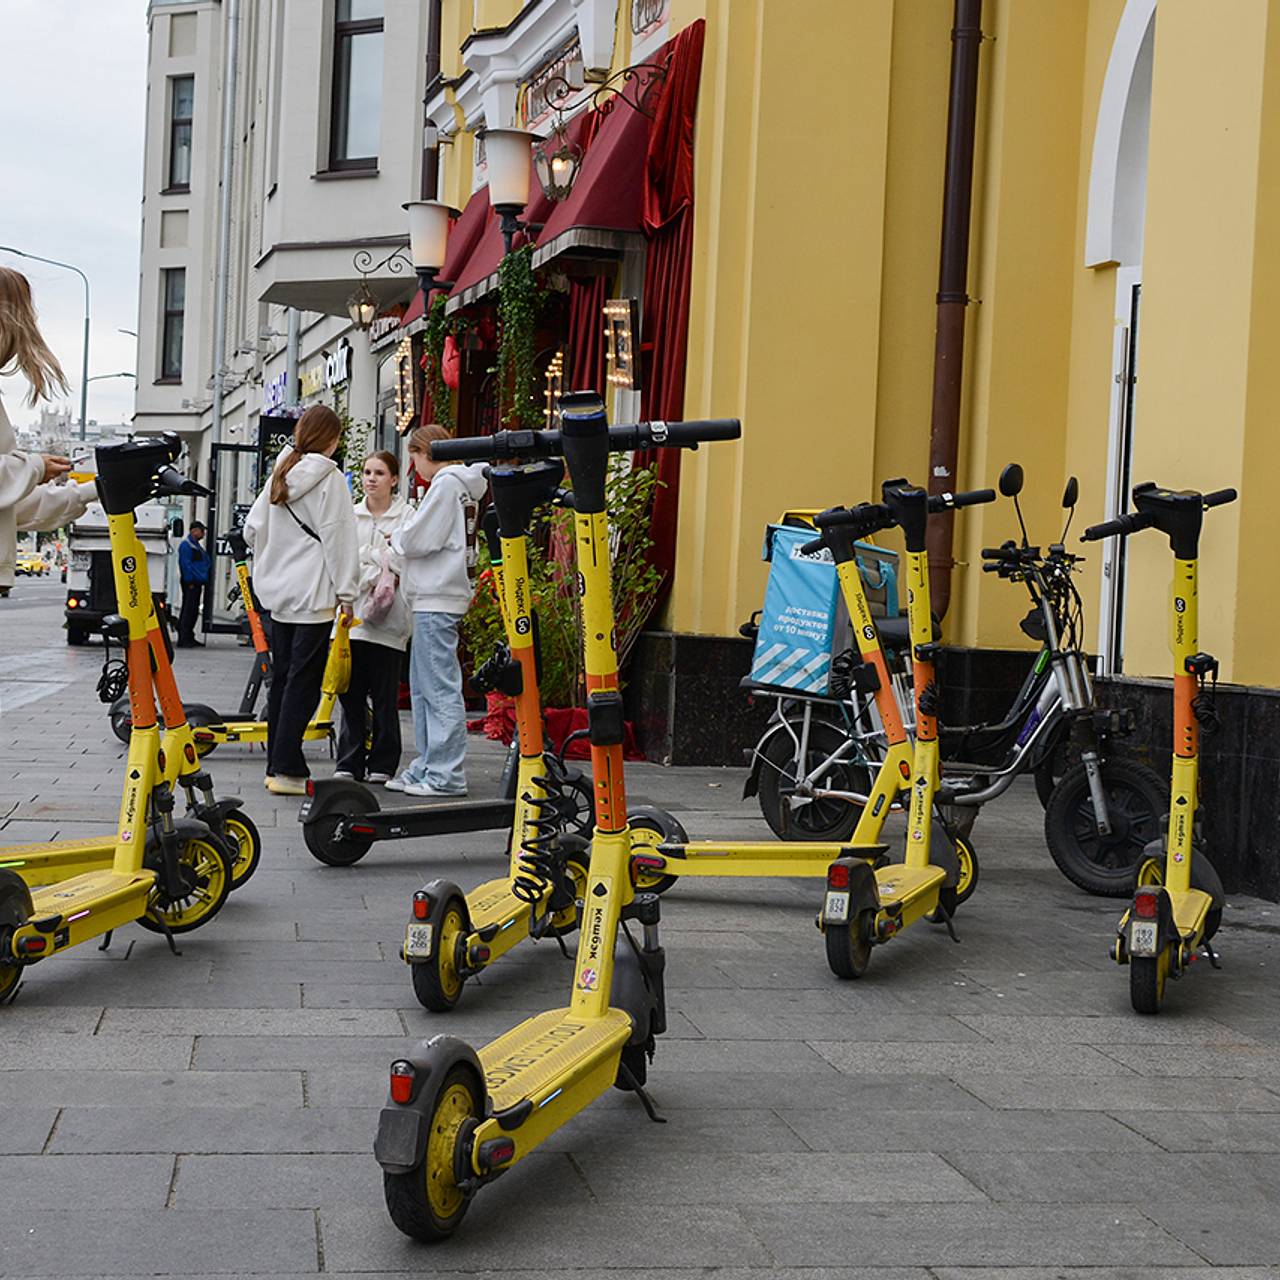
<point>383,595</point>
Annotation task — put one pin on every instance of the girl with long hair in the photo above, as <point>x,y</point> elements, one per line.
<point>371,704</point>
<point>305,569</point>
<point>433,542</point>
<point>28,499</point>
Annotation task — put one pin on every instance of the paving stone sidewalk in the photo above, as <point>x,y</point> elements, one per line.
<point>991,1109</point>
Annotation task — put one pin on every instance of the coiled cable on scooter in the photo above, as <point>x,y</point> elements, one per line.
<point>114,679</point>
<point>538,863</point>
<point>840,680</point>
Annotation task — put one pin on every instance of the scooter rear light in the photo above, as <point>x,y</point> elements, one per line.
<point>1146,904</point>
<point>33,946</point>
<point>495,1152</point>
<point>361,829</point>
<point>311,787</point>
<point>421,905</point>
<point>838,876</point>
<point>403,1075</point>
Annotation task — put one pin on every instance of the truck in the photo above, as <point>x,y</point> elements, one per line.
<point>91,591</point>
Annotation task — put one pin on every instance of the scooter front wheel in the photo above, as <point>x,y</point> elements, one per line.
<point>1147,975</point>
<point>205,872</point>
<point>651,827</point>
<point>849,946</point>
<point>427,1203</point>
<point>324,844</point>
<point>437,982</point>
<point>248,846</point>
<point>15,910</point>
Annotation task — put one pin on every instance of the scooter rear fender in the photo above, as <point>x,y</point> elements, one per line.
<point>330,795</point>
<point>863,892</point>
<point>441,893</point>
<point>403,1128</point>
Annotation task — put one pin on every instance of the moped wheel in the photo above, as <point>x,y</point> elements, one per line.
<point>248,846</point>
<point>779,769</point>
<point>849,947</point>
<point>1147,976</point>
<point>15,910</point>
<point>325,845</point>
<point>1137,800</point>
<point>427,1203</point>
<point>967,881</point>
<point>437,982</point>
<point>650,828</point>
<point>205,872</point>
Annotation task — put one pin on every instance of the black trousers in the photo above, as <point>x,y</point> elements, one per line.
<point>192,597</point>
<point>298,654</point>
<point>375,685</point>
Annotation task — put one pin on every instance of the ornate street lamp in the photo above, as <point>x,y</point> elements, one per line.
<point>507,155</point>
<point>557,171</point>
<point>362,306</point>
<point>429,223</point>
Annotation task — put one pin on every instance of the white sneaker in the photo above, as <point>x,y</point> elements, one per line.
<point>430,793</point>
<point>282,786</point>
<point>343,775</point>
<point>377,779</point>
<point>396,784</point>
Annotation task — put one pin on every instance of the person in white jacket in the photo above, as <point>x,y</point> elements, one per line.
<point>305,568</point>
<point>371,704</point>
<point>433,543</point>
<point>29,501</point>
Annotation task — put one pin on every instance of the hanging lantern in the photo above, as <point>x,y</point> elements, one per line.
<point>557,162</point>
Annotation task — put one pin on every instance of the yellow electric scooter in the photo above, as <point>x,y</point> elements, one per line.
<point>865,906</point>
<point>1177,906</point>
<point>456,1119</point>
<point>171,876</point>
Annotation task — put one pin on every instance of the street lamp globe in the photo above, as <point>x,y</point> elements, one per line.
<point>429,223</point>
<point>362,307</point>
<point>508,153</point>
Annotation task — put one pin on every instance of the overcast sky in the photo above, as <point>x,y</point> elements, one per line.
<point>72,93</point>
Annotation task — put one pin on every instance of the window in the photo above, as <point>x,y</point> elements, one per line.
<point>182,97</point>
<point>357,85</point>
<point>174,286</point>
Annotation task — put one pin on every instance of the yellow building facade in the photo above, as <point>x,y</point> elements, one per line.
<point>1126,181</point>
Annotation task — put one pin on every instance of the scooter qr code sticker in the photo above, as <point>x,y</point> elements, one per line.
<point>836,910</point>
<point>417,941</point>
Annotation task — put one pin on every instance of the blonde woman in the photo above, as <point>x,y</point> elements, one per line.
<point>377,648</point>
<point>433,543</point>
<point>28,499</point>
<point>305,569</point>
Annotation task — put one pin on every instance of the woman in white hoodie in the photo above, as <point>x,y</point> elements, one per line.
<point>377,648</point>
<point>433,542</point>
<point>305,567</point>
<point>28,501</point>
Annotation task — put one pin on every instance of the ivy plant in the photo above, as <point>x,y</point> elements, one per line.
<point>434,334</point>
<point>520,298</point>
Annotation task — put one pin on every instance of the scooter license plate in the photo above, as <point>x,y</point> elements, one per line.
<point>417,942</point>
<point>836,908</point>
<point>1143,937</point>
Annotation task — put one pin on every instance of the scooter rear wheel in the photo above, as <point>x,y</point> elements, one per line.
<point>323,843</point>
<point>15,910</point>
<point>1204,876</point>
<point>849,947</point>
<point>427,1203</point>
<point>437,982</point>
<point>206,874</point>
<point>1147,976</point>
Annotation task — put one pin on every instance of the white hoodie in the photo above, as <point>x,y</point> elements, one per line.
<point>297,578</point>
<point>375,534</point>
<point>433,541</point>
<point>25,503</point>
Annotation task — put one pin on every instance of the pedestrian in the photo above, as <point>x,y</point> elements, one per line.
<point>371,704</point>
<point>29,501</point>
<point>305,568</point>
<point>193,572</point>
<point>433,542</point>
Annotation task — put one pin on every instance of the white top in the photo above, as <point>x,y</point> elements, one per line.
<point>26,505</point>
<point>297,577</point>
<point>433,542</point>
<point>374,535</point>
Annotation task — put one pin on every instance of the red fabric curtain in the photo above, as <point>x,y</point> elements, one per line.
<point>668,221</point>
<point>584,360</point>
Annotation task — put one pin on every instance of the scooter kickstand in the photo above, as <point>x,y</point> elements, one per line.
<point>946,919</point>
<point>634,1086</point>
<point>1211,955</point>
<point>106,940</point>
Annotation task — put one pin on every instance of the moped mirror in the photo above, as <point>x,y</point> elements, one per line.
<point>1071,494</point>
<point>176,527</point>
<point>1011,480</point>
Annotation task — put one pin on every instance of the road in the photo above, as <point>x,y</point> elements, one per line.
<point>964,1112</point>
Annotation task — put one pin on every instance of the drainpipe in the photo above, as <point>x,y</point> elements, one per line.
<point>948,357</point>
<point>292,343</point>
<point>223,269</point>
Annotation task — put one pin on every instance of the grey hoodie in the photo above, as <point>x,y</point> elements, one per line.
<point>300,578</point>
<point>433,542</point>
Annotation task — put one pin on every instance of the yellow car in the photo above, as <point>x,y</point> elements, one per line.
<point>31,565</point>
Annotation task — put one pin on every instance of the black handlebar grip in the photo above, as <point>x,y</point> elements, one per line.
<point>172,483</point>
<point>1129,523</point>
<point>999,553</point>
<point>992,568</point>
<point>811,547</point>
<point>1219,498</point>
<point>673,435</point>
<point>953,501</point>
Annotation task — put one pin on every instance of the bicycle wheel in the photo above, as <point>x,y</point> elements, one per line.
<point>825,819</point>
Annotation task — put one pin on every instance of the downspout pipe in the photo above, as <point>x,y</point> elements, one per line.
<point>953,297</point>
<point>222,275</point>
<point>292,344</point>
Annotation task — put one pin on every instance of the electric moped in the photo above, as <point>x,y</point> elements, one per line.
<point>197,713</point>
<point>866,905</point>
<point>1177,906</point>
<point>455,1118</point>
<point>170,875</point>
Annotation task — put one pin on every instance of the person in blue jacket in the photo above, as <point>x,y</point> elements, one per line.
<point>193,570</point>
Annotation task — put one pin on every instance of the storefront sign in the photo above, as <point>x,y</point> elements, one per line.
<point>621,327</point>
<point>406,389</point>
<point>385,328</point>
<point>274,393</point>
<point>334,371</point>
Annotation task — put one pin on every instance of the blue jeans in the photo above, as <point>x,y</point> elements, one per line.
<point>439,713</point>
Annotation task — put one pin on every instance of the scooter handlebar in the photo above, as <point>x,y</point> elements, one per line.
<point>548,444</point>
<point>951,501</point>
<point>1121,525</point>
<point>171,483</point>
<point>1219,498</point>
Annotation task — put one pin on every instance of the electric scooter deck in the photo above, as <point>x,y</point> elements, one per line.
<point>57,860</point>
<point>756,858</point>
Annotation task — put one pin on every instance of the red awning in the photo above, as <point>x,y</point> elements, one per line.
<point>464,236</point>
